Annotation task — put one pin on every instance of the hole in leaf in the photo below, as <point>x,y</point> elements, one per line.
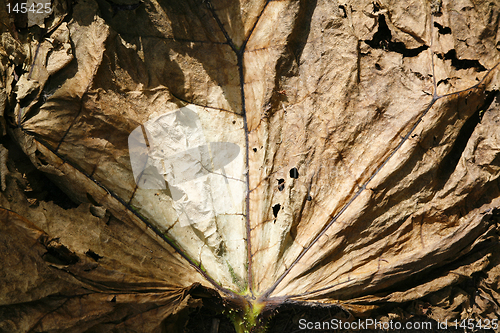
<point>93,255</point>
<point>377,66</point>
<point>461,63</point>
<point>294,173</point>
<point>254,150</point>
<point>442,30</point>
<point>443,81</point>
<point>59,254</point>
<point>281,184</point>
<point>382,39</point>
<point>276,209</point>
<point>343,12</point>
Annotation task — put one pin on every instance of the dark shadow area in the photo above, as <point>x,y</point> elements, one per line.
<point>59,254</point>
<point>296,317</point>
<point>209,317</point>
<point>288,316</point>
<point>287,64</point>
<point>203,319</point>
<point>449,162</point>
<point>36,187</point>
<point>119,7</point>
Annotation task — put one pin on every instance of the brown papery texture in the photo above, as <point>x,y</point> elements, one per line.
<point>349,154</point>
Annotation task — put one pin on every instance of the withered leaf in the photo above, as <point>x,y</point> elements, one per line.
<point>270,151</point>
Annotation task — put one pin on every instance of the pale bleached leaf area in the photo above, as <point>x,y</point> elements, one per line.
<point>245,157</point>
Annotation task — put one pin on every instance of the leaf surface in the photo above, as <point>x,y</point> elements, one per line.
<point>302,150</point>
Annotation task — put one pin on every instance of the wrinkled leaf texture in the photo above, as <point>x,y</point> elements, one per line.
<point>370,144</point>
